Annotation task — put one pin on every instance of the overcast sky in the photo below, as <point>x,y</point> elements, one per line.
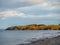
<point>23,12</point>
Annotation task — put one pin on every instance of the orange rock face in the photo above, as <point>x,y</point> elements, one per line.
<point>35,27</point>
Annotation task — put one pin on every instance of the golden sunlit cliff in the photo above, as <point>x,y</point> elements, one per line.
<point>35,27</point>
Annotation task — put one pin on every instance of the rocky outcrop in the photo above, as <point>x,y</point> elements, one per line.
<point>35,27</point>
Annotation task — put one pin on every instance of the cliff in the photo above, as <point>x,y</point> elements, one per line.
<point>35,27</point>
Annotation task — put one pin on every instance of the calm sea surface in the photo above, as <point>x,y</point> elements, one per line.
<point>8,37</point>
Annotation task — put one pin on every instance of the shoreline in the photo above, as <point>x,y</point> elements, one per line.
<point>46,41</point>
<point>35,27</point>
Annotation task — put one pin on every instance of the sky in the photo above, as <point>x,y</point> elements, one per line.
<point>24,12</point>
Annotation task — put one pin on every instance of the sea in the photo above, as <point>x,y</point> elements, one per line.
<point>16,37</point>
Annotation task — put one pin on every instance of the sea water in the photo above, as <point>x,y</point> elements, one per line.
<point>15,37</point>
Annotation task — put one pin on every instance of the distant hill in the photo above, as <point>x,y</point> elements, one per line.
<point>35,27</point>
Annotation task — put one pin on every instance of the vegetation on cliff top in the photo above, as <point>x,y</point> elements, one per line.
<point>35,27</point>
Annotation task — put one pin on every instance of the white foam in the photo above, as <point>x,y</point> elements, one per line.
<point>18,37</point>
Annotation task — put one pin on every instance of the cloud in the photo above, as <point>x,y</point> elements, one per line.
<point>11,13</point>
<point>38,10</point>
<point>47,4</point>
<point>6,14</point>
<point>18,3</point>
<point>51,4</point>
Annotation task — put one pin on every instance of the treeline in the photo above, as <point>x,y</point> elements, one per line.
<point>35,27</point>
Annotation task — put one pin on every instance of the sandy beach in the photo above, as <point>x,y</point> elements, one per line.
<point>47,41</point>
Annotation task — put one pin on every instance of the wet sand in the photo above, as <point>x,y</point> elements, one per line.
<point>46,41</point>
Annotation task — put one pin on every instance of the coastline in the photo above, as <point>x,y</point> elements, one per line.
<point>46,41</point>
<point>35,27</point>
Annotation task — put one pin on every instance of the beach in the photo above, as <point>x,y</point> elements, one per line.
<point>46,41</point>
